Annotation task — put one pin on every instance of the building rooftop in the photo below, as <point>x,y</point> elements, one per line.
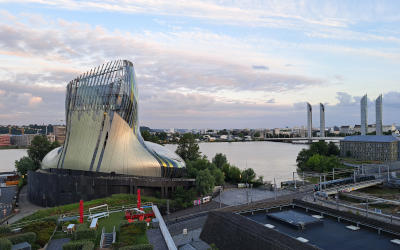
<point>371,138</point>
<point>329,233</point>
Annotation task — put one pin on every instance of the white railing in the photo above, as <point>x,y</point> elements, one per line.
<point>114,235</point>
<point>102,237</point>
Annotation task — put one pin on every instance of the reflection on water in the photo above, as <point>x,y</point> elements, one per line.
<point>269,159</point>
<point>8,158</point>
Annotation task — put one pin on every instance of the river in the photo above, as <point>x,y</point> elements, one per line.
<point>8,158</point>
<point>269,159</point>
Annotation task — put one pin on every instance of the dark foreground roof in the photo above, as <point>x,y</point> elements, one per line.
<point>371,138</point>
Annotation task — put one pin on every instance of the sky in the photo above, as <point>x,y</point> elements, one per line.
<point>206,64</point>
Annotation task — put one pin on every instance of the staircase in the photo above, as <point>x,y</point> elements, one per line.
<point>108,240</point>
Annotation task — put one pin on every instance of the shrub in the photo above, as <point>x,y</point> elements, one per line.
<point>5,244</point>
<point>79,245</point>
<point>5,229</point>
<point>43,230</point>
<point>25,237</point>
<point>83,232</point>
<point>138,247</point>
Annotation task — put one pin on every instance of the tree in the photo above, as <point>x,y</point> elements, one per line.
<point>24,164</point>
<point>219,160</point>
<point>188,148</point>
<point>218,176</point>
<point>303,157</point>
<point>39,147</point>
<point>248,175</point>
<point>319,147</point>
<point>256,134</point>
<point>333,149</point>
<point>204,182</point>
<point>193,167</point>
<point>146,135</point>
<point>321,163</point>
<point>234,174</point>
<point>184,198</point>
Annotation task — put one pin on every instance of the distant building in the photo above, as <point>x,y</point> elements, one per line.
<point>357,128</point>
<point>309,120</point>
<point>378,110</point>
<point>321,120</point>
<point>22,140</point>
<point>59,133</point>
<point>364,113</point>
<point>370,148</point>
<point>5,140</point>
<point>347,130</point>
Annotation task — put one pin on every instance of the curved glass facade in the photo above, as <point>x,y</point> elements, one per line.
<point>103,133</point>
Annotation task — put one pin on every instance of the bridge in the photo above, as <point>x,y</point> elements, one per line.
<point>349,187</point>
<point>307,139</point>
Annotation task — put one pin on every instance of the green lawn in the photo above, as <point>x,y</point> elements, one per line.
<point>114,200</point>
<point>381,191</point>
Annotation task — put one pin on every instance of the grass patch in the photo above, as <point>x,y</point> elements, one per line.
<point>132,234</point>
<point>114,200</point>
<point>381,191</point>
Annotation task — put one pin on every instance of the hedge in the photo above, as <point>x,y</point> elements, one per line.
<point>83,232</point>
<point>140,225</point>
<point>138,247</point>
<point>5,244</point>
<point>25,237</point>
<point>79,245</point>
<point>5,229</point>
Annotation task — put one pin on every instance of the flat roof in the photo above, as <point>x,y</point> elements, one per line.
<point>330,234</point>
<point>371,138</point>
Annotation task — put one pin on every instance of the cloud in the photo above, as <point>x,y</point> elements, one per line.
<point>62,50</point>
<point>260,67</point>
<point>34,100</point>
<point>271,13</point>
<point>272,100</point>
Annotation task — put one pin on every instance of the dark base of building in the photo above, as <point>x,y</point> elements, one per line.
<point>54,187</point>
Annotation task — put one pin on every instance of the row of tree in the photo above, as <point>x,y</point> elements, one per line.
<point>320,157</point>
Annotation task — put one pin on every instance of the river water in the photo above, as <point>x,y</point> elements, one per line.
<point>8,158</point>
<point>269,159</point>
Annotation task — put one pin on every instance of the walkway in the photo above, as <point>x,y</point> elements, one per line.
<point>25,207</point>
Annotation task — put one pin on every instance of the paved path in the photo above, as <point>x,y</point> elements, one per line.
<point>203,208</point>
<point>57,244</point>
<point>156,239</point>
<point>25,206</point>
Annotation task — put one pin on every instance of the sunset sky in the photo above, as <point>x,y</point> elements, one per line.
<point>206,64</point>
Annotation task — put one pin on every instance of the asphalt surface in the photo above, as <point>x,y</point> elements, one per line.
<point>156,239</point>
<point>25,206</point>
<point>57,244</point>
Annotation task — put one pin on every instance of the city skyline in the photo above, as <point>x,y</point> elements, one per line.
<point>219,64</point>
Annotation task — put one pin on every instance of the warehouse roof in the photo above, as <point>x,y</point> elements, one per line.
<point>371,138</point>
